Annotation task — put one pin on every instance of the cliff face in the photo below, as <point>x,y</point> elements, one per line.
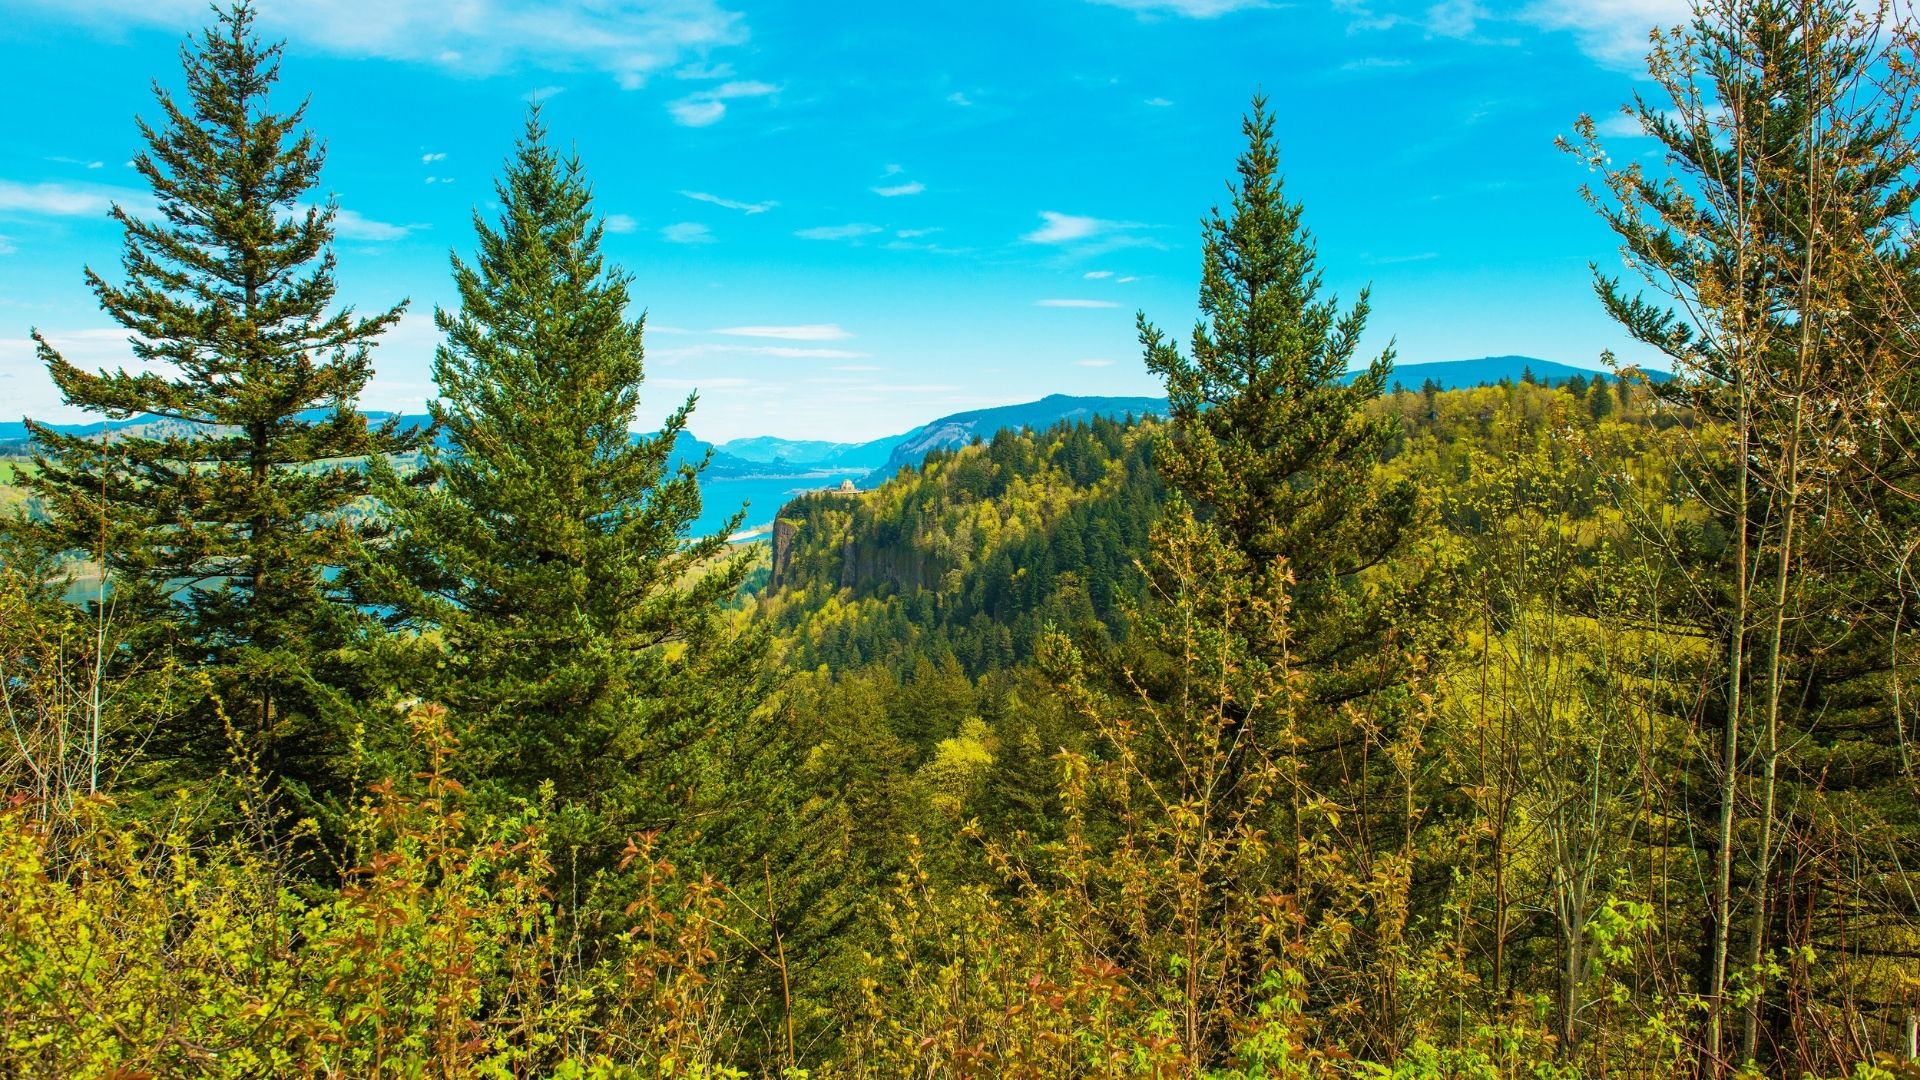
<point>835,539</point>
<point>784,530</point>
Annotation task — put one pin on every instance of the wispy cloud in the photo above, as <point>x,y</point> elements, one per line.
<point>629,40</point>
<point>82,162</point>
<point>353,225</point>
<point>1096,275</point>
<point>67,200</point>
<point>543,93</point>
<point>1192,9</point>
<point>730,204</point>
<point>799,332</point>
<point>1090,235</point>
<point>6,245</point>
<point>1613,32</point>
<point>1375,63</point>
<point>709,106</point>
<point>1065,228</point>
<point>852,231</point>
<point>621,223</point>
<point>730,348</point>
<point>1076,303</point>
<point>428,159</point>
<point>960,99</point>
<point>913,187</point>
<point>1454,18</point>
<point>1158,102</point>
<point>1093,363</point>
<point>687,232</point>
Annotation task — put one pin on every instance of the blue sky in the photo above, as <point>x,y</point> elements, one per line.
<point>846,219</point>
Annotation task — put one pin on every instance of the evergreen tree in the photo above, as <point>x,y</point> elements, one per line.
<point>1275,453</point>
<point>1268,441</point>
<point>223,521</point>
<point>1779,252</point>
<point>1599,398</point>
<point>548,554</point>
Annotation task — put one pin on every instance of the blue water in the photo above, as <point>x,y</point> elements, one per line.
<point>764,496</point>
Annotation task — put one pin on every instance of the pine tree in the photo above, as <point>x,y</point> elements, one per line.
<point>222,522</point>
<point>1269,440</point>
<point>546,563</point>
<point>1272,452</point>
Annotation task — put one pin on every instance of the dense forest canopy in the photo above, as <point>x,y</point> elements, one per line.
<point>1321,725</point>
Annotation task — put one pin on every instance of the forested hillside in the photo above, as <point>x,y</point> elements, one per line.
<point>1308,724</point>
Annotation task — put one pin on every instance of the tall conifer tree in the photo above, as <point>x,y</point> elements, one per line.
<point>222,523</point>
<point>1277,462</point>
<point>1270,441</point>
<point>549,556</point>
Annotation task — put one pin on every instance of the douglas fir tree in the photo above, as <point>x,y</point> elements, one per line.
<point>546,561</point>
<point>222,523</point>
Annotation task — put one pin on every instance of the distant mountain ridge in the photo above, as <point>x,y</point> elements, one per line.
<point>768,455</point>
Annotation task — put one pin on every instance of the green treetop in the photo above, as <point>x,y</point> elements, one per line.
<point>1269,441</point>
<point>222,522</point>
<point>549,555</point>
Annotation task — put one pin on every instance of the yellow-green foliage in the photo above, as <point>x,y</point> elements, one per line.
<point>130,949</point>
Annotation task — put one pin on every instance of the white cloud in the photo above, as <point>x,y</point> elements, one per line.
<point>627,39</point>
<point>914,234</point>
<point>1192,9</point>
<point>1096,275</point>
<point>428,159</point>
<point>731,204</point>
<point>1613,32</point>
<point>687,232</point>
<point>696,113</point>
<point>31,393</point>
<point>838,232</point>
<point>1158,102</point>
<point>621,223</point>
<point>82,162</point>
<point>1063,228</point>
<point>783,352</point>
<point>1089,232</point>
<point>351,225</point>
<point>1454,18</point>
<point>1375,63</point>
<point>801,332</point>
<point>1125,280</point>
<point>959,99</point>
<point>6,245</point>
<point>1093,363</point>
<point>543,93</point>
<point>912,188</point>
<point>1076,303</point>
<point>59,200</point>
<point>708,106</point>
